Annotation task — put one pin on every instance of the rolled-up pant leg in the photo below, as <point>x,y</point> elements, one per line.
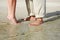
<point>29,4</point>
<point>39,8</point>
<point>31,7</point>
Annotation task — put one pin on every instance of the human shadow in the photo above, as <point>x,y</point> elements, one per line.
<point>52,16</point>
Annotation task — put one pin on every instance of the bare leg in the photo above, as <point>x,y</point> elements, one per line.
<point>11,11</point>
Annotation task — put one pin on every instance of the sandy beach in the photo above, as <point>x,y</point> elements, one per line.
<point>49,30</point>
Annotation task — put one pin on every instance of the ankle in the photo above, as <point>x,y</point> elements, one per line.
<point>39,19</point>
<point>32,16</point>
<point>10,17</point>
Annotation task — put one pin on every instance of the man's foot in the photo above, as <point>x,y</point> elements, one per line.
<point>12,20</point>
<point>31,18</point>
<point>37,22</point>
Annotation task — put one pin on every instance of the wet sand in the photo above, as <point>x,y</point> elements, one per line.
<point>49,30</point>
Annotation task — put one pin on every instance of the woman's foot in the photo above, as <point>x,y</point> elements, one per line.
<point>37,22</point>
<point>12,20</point>
<point>31,18</point>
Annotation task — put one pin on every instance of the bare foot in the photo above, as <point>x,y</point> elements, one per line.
<point>37,22</point>
<point>31,18</point>
<point>12,20</point>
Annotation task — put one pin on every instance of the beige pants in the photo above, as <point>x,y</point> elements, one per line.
<point>36,7</point>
